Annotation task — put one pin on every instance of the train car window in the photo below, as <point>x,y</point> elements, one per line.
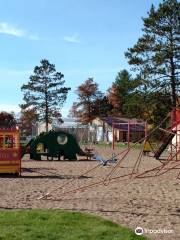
<point>9,141</point>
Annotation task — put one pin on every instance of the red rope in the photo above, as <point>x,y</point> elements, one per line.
<point>68,182</point>
<point>109,175</point>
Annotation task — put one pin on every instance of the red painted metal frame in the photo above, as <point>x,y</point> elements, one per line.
<point>134,174</point>
<point>129,123</point>
<point>175,126</point>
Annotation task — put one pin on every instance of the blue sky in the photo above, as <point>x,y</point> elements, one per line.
<point>82,38</point>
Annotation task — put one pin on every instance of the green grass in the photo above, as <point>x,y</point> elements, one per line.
<point>59,225</point>
<point>119,145</point>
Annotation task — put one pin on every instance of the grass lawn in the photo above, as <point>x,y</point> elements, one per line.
<point>59,225</point>
<point>117,145</point>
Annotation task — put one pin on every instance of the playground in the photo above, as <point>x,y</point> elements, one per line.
<point>132,184</point>
<point>146,202</point>
<point>90,120</point>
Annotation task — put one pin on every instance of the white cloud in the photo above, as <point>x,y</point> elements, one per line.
<point>72,39</point>
<point>9,108</point>
<point>6,28</point>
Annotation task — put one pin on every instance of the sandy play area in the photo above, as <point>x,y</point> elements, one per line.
<point>151,203</point>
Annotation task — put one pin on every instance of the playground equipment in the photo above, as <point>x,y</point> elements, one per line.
<point>115,174</point>
<point>103,161</point>
<point>164,145</point>
<point>171,136</point>
<point>129,128</point>
<point>10,159</point>
<point>55,144</point>
<point>52,144</point>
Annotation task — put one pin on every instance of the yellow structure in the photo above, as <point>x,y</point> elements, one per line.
<point>147,147</point>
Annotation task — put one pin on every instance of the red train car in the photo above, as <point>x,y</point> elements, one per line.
<point>10,158</point>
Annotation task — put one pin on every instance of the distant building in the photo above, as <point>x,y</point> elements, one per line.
<point>65,124</point>
<point>101,129</point>
<point>39,128</point>
<point>124,128</point>
<point>70,125</point>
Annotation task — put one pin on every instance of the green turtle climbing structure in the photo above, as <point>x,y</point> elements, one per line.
<point>55,144</point>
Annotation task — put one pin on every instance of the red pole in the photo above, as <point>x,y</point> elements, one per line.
<point>178,133</point>
<point>176,141</point>
<point>145,130</point>
<point>113,136</point>
<point>128,134</point>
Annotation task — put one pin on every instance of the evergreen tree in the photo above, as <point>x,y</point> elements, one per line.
<point>120,91</point>
<point>156,55</point>
<point>101,107</point>
<point>45,92</point>
<point>150,106</point>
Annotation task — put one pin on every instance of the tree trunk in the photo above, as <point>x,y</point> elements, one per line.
<point>47,129</point>
<point>46,112</point>
<point>89,112</point>
<point>173,89</point>
<point>172,69</point>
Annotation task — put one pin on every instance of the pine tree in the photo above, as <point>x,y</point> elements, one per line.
<point>45,92</point>
<point>121,90</point>
<point>156,55</point>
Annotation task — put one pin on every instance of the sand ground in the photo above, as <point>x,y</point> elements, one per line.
<point>151,202</point>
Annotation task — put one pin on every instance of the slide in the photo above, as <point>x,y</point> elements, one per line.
<point>161,149</point>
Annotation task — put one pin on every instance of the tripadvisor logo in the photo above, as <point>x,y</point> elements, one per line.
<point>139,231</point>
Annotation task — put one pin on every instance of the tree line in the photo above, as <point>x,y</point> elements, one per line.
<point>127,97</point>
<point>155,60</point>
<point>148,91</point>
